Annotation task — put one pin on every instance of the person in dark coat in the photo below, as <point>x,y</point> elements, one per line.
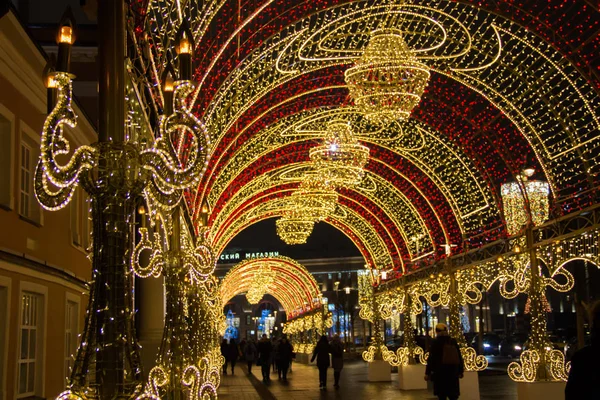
<point>285,358</point>
<point>337,359</point>
<point>265,350</point>
<point>585,370</point>
<point>321,353</point>
<point>224,353</point>
<point>444,365</point>
<point>250,354</point>
<point>233,352</point>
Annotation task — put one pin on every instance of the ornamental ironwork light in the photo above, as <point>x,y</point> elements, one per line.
<point>387,82</point>
<point>115,172</point>
<point>523,198</point>
<point>340,159</point>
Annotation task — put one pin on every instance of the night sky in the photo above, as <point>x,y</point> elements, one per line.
<point>325,242</point>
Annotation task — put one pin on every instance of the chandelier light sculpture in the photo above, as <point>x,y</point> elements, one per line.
<point>263,277</point>
<point>340,159</point>
<point>294,229</point>
<point>516,195</point>
<point>315,199</point>
<point>387,82</point>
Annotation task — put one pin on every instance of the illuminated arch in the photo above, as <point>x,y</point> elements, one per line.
<point>270,77</point>
<point>293,286</point>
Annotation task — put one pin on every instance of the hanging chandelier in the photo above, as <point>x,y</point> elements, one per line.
<point>387,82</point>
<point>514,198</point>
<point>263,277</point>
<point>315,199</point>
<point>294,230</point>
<point>340,159</point>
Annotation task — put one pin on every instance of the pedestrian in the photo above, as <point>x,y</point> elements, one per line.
<point>337,359</point>
<point>250,354</point>
<point>585,372</point>
<point>224,353</point>
<point>242,347</point>
<point>233,353</point>
<point>444,365</point>
<point>285,351</point>
<point>275,357</point>
<point>265,350</point>
<point>321,353</point>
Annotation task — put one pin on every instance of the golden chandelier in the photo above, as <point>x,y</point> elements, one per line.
<point>315,199</point>
<point>340,159</point>
<point>263,277</point>
<point>294,230</point>
<point>387,82</point>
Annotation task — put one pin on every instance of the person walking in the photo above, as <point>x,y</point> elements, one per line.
<point>265,350</point>
<point>285,358</point>
<point>275,356</point>
<point>585,372</point>
<point>444,365</point>
<point>233,353</point>
<point>321,353</point>
<point>250,354</point>
<point>337,359</point>
<point>224,353</point>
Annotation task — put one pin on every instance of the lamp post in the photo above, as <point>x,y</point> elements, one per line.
<point>115,172</point>
<point>347,290</point>
<point>336,287</point>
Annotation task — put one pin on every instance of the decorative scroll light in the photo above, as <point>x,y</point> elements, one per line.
<point>187,362</point>
<point>340,159</point>
<point>526,205</point>
<point>387,82</point>
<point>116,171</point>
<point>516,196</point>
<point>294,230</point>
<point>263,277</point>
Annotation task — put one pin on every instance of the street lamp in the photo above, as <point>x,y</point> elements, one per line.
<point>115,172</point>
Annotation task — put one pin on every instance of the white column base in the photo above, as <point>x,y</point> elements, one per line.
<point>469,386</point>
<point>541,390</point>
<point>379,371</point>
<point>412,377</point>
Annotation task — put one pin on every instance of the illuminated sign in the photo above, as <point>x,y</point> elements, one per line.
<point>238,256</point>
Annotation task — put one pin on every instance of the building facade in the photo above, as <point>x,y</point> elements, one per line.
<point>43,262</point>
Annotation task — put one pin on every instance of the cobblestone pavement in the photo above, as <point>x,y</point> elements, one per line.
<point>303,385</point>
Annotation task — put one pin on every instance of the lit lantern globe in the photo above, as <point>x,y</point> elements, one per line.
<point>515,209</point>
<point>294,230</point>
<point>387,82</point>
<point>340,159</point>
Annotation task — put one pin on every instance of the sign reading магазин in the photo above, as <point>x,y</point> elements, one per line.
<point>244,256</point>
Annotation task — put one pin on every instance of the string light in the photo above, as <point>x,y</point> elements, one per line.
<point>387,82</point>
<point>340,159</point>
<point>289,282</point>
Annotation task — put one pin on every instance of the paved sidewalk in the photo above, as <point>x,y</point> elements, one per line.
<point>303,384</point>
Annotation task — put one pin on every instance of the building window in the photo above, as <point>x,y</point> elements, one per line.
<point>71,330</point>
<point>29,208</point>
<point>75,218</point>
<point>25,180</point>
<point>6,133</point>
<point>29,363</point>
